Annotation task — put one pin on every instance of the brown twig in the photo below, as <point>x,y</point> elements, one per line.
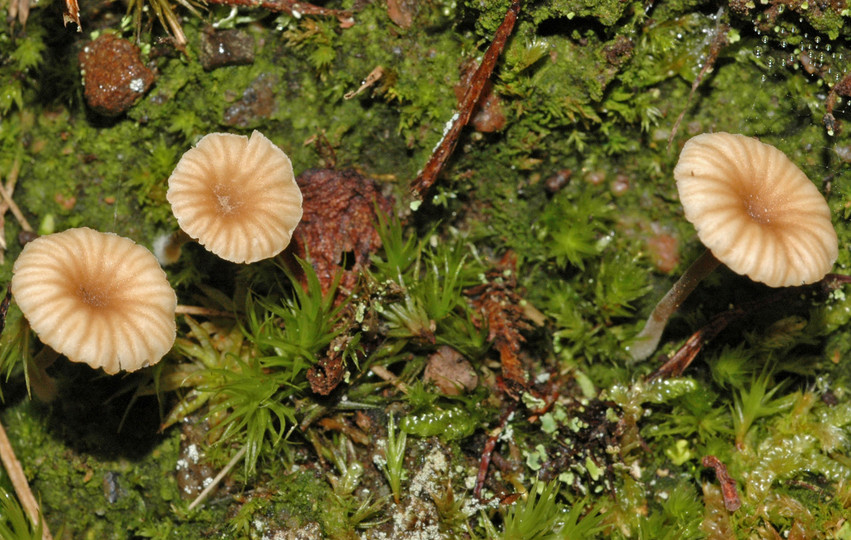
<point>728,485</point>
<point>11,180</point>
<point>215,483</point>
<point>19,481</point>
<point>15,210</point>
<point>294,8</point>
<point>677,364</point>
<point>444,149</point>
<point>202,311</point>
<point>10,461</point>
<point>490,444</point>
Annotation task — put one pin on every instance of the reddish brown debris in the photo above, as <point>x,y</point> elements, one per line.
<point>441,154</point>
<point>554,183</point>
<point>326,374</point>
<point>338,423</point>
<point>487,451</point>
<point>71,13</point>
<point>113,74</point>
<point>402,12</point>
<point>4,308</point>
<point>728,485</point>
<point>664,252</point>
<point>500,306</point>
<point>337,231</point>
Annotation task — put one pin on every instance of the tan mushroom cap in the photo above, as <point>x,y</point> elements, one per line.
<point>237,196</point>
<point>97,298</point>
<point>755,210</point>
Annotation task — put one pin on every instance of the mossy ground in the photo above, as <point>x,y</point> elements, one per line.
<point>592,88</point>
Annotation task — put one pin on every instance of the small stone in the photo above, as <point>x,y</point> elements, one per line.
<point>221,48</point>
<point>450,372</point>
<point>256,105</point>
<point>113,74</point>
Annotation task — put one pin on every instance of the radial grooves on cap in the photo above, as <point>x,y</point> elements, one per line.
<point>237,196</point>
<point>756,210</point>
<point>97,298</point>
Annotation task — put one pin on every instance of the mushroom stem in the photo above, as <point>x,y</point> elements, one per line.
<point>42,384</point>
<point>19,481</point>
<point>647,340</point>
<point>167,247</point>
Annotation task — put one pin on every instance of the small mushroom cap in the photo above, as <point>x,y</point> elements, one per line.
<point>97,298</point>
<point>755,210</point>
<point>236,196</point>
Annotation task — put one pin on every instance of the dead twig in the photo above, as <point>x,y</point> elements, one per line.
<point>728,485</point>
<point>10,461</point>
<point>202,311</point>
<point>15,210</point>
<point>212,485</point>
<point>294,8</point>
<point>444,149</point>
<point>487,452</point>
<point>11,181</point>
<point>677,364</point>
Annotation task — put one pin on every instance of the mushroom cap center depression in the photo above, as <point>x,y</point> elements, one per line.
<point>761,208</point>
<point>227,199</point>
<point>94,296</point>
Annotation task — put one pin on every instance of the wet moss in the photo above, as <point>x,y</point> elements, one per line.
<point>590,91</point>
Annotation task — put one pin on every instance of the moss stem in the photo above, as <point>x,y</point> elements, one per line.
<point>648,339</point>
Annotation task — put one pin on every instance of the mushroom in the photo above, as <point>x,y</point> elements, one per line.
<point>237,196</point>
<point>755,211</point>
<point>97,298</point>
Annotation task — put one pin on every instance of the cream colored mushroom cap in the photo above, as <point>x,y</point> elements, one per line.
<point>97,298</point>
<point>236,196</point>
<point>755,210</point>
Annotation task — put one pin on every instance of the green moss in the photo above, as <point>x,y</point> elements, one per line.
<point>590,92</point>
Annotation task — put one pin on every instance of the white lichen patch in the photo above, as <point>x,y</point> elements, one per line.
<point>417,518</point>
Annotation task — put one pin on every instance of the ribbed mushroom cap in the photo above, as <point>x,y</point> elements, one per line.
<point>237,196</point>
<point>755,210</point>
<point>97,298</point>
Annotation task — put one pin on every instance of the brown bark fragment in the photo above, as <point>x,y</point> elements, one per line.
<point>337,231</point>
<point>728,485</point>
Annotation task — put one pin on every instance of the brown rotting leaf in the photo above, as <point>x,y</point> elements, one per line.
<point>337,231</point>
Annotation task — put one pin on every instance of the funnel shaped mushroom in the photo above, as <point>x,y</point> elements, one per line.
<point>755,211</point>
<point>236,196</point>
<point>97,298</point>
